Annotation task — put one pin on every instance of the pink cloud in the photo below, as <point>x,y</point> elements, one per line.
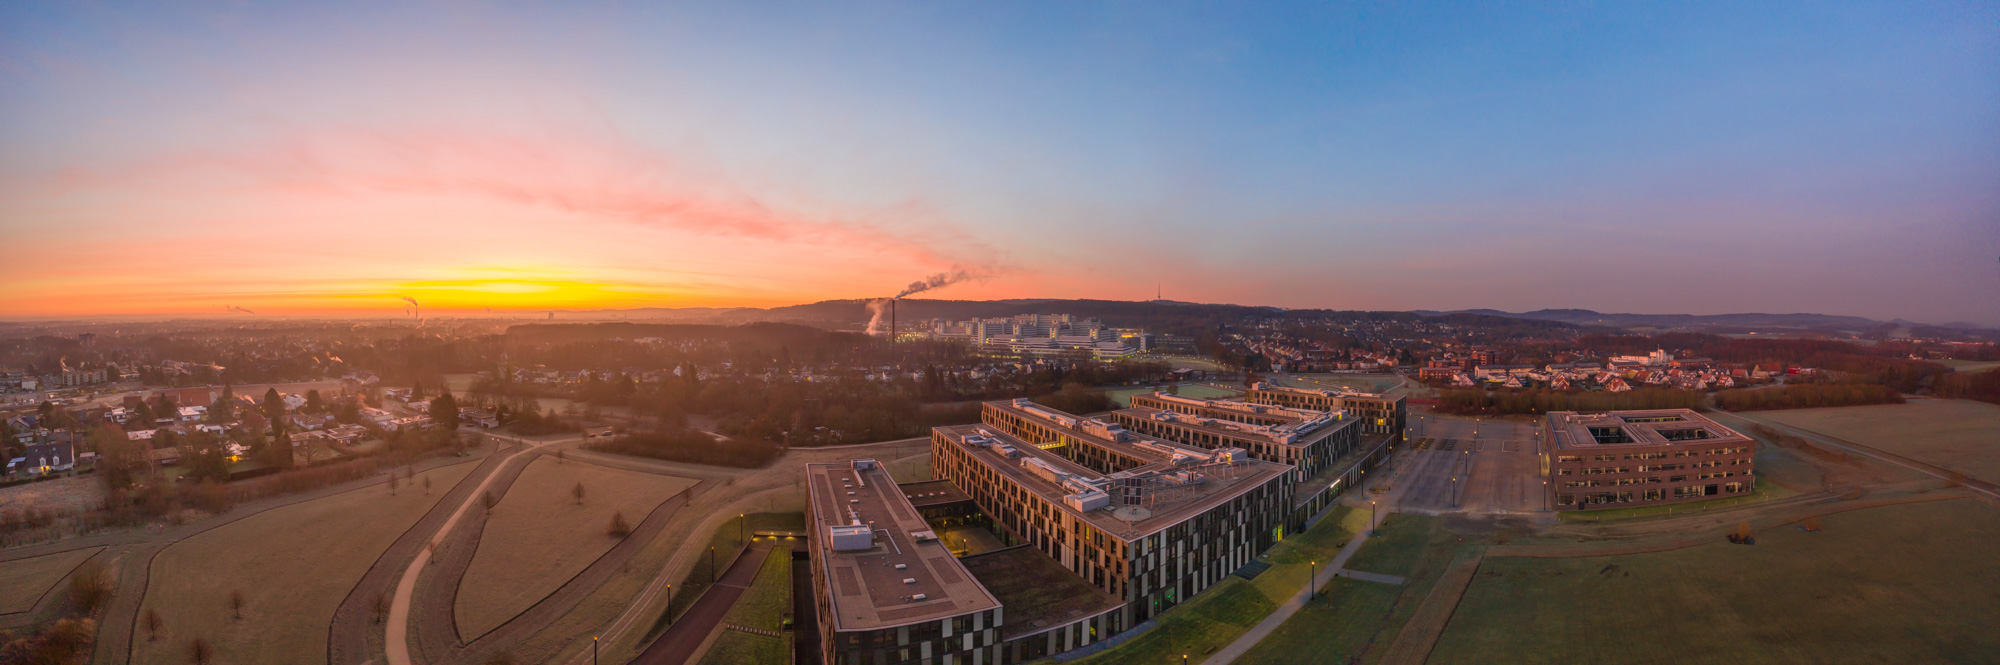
<point>611,180</point>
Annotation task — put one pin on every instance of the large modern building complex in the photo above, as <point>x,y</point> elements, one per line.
<point>1642,458</point>
<point>1096,528</point>
<point>1307,440</point>
<point>1379,414</point>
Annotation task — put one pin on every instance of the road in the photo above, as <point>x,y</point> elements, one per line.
<point>682,638</point>
<point>397,640</point>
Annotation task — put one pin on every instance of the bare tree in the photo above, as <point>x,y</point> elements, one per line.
<point>619,527</point>
<point>577,492</point>
<point>236,603</point>
<point>487,500</point>
<point>200,652</point>
<point>560,457</point>
<point>427,485</point>
<point>392,483</point>
<point>89,587</point>
<point>381,607</point>
<point>153,625</point>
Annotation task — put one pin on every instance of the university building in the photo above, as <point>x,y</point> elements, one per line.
<point>1095,528</point>
<point>1310,441</point>
<point>1379,414</point>
<point>1642,458</point>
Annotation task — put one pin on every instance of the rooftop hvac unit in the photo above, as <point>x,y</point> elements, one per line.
<point>902,566</point>
<point>919,597</point>
<point>909,580</point>
<point>850,537</point>
<point>923,536</point>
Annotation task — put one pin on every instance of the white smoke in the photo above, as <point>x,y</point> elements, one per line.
<point>880,308</point>
<point>876,310</point>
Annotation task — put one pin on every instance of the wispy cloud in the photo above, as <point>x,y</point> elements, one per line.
<point>597,178</point>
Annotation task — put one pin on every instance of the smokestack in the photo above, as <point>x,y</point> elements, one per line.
<point>892,321</point>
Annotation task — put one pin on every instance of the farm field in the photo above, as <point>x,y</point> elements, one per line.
<point>1952,433</point>
<point>1969,365</point>
<point>23,581</point>
<point>294,565</point>
<point>538,537</point>
<point>762,606</point>
<point>1904,583</point>
<point>71,493</point>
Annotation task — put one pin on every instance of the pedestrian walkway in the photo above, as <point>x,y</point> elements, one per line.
<point>1368,576</point>
<point>1295,603</point>
<point>692,628</point>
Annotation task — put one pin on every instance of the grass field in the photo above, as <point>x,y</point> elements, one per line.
<point>725,543</point>
<point>763,605</point>
<point>1961,435</point>
<point>1969,365</point>
<point>1223,612</point>
<point>23,581</point>
<point>538,537</point>
<point>294,565</point>
<point>909,470</point>
<point>1910,583</point>
<point>1356,618</point>
<point>1766,492</point>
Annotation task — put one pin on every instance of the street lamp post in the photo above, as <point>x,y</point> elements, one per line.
<point>670,604</point>
<point>712,576</point>
<point>739,528</point>
<point>593,650</point>
<point>1545,495</point>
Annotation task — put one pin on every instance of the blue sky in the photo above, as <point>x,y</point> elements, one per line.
<point>1703,158</point>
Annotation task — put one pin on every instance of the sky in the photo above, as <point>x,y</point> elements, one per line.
<point>287,159</point>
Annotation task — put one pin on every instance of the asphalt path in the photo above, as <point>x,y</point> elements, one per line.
<point>686,635</point>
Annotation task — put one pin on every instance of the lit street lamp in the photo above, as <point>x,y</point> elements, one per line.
<point>1312,577</point>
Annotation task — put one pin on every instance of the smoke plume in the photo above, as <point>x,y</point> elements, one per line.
<point>937,281</point>
<point>876,310</point>
<point>239,310</point>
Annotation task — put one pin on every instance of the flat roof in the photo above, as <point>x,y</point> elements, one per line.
<point>1218,485</point>
<point>868,591</point>
<point>1251,409</point>
<point>1039,593</point>
<point>928,493</point>
<point>1283,435</point>
<point>1322,392</point>
<point>1570,430</point>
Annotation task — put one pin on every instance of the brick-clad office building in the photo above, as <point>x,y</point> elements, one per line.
<point>1642,458</point>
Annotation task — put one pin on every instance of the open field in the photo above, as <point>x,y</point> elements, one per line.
<point>763,606</point>
<point>71,493</point>
<point>1217,616</point>
<point>1910,583</point>
<point>1960,435</point>
<point>1358,618</point>
<point>294,565</point>
<point>23,581</point>
<point>538,536</point>
<point>1969,365</point>
<point>914,468</point>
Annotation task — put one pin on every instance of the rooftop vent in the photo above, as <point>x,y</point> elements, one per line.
<point>919,597</point>
<point>902,566</point>
<point>909,580</point>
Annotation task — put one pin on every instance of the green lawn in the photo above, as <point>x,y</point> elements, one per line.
<point>763,606</point>
<point>1766,491</point>
<point>1217,616</point>
<point>1357,618</point>
<point>1911,583</point>
<point>725,542</point>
